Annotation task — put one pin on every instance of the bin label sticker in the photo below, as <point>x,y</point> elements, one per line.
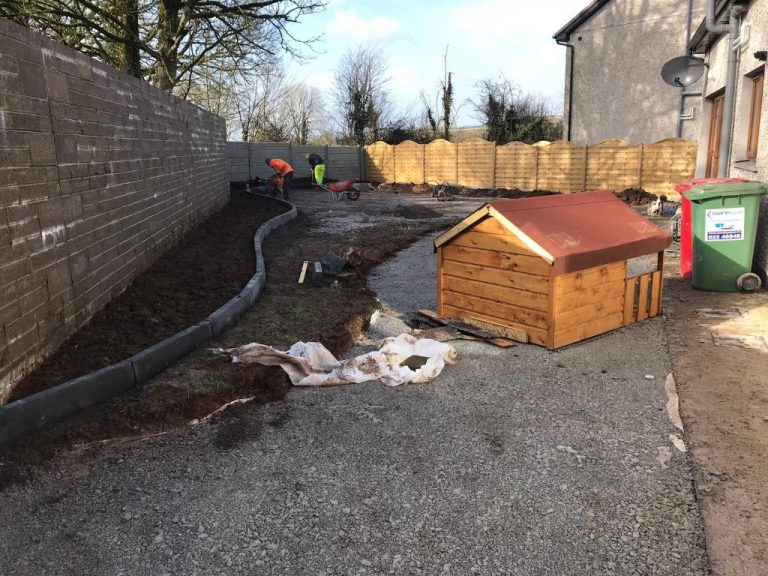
<point>724,224</point>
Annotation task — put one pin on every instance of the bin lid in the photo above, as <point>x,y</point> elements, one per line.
<point>725,189</point>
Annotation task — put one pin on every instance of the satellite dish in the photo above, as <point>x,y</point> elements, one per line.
<point>682,71</point>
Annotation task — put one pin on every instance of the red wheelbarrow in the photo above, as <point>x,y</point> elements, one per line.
<point>340,190</point>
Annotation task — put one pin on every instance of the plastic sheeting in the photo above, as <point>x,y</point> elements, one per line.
<point>311,364</point>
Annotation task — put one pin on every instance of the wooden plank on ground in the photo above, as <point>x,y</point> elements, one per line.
<point>629,301</point>
<point>642,298</point>
<point>501,260</point>
<point>496,338</point>
<point>506,331</point>
<point>303,271</point>
<point>505,278</point>
<point>521,298</point>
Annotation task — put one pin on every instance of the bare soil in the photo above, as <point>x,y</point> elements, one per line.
<point>332,313</point>
<point>208,266</point>
<point>632,196</point>
<point>723,391</point>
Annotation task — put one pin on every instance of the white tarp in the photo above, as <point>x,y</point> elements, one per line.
<point>311,364</point>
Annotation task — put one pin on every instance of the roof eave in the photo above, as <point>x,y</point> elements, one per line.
<point>564,34</point>
<point>701,39</point>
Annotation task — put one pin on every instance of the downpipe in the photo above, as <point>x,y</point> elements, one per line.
<point>733,43</point>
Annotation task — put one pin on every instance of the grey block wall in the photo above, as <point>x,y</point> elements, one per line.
<point>99,174</point>
<point>246,160</point>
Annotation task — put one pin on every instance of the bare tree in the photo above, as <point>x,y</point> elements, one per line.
<point>511,115</point>
<point>360,94</point>
<point>302,111</point>
<point>440,123</point>
<point>168,41</point>
<point>257,106</point>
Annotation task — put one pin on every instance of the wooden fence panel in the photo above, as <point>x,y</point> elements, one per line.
<point>409,162</point>
<point>516,165</point>
<point>476,159</point>
<point>379,162</point>
<point>613,165</point>
<point>562,167</point>
<point>441,162</point>
<point>559,166</point>
<point>666,164</point>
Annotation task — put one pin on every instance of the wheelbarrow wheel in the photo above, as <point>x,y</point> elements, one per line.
<point>354,194</point>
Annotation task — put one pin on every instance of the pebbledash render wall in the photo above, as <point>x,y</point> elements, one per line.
<point>755,27</point>
<point>617,57</point>
<point>99,174</point>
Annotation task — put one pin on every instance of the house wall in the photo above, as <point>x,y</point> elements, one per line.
<point>487,274</point>
<point>714,83</point>
<point>617,58</point>
<point>717,59</point>
<point>99,174</point>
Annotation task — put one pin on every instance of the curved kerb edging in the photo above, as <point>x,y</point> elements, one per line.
<point>30,413</point>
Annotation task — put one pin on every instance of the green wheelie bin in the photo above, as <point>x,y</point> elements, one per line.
<point>724,228</point>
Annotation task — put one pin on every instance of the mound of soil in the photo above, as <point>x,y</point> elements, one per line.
<point>180,289</point>
<point>424,188</point>
<point>636,196</point>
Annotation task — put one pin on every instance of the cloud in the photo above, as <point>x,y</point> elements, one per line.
<point>348,24</point>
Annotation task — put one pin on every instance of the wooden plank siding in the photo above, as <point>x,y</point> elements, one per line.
<point>587,303</point>
<point>496,242</point>
<point>488,274</point>
<point>535,335</point>
<point>642,297</point>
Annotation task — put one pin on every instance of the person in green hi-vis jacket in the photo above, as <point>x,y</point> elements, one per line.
<point>317,164</point>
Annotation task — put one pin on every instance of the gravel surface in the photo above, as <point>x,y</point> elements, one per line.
<point>519,461</point>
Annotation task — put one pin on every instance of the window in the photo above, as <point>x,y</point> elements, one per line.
<point>755,108</point>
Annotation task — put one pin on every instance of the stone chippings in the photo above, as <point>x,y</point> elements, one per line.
<point>512,462</point>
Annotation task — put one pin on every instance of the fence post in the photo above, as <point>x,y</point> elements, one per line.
<point>394,163</point>
<point>248,151</point>
<point>456,146</point>
<point>586,161</point>
<point>640,167</point>
<point>493,174</point>
<point>536,173</point>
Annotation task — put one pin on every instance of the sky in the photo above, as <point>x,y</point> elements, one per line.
<point>483,38</point>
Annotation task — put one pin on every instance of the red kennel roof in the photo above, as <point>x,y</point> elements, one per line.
<point>572,231</point>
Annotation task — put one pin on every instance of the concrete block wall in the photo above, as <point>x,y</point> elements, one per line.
<point>99,174</point>
<point>246,160</point>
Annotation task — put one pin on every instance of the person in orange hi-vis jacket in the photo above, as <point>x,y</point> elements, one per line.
<point>284,173</point>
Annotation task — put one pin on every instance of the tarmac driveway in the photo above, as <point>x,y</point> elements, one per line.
<point>519,461</point>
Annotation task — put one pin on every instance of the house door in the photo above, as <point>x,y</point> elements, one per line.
<point>715,133</point>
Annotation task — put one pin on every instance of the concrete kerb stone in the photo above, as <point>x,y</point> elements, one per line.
<point>157,358</point>
<point>35,411</point>
<point>56,403</point>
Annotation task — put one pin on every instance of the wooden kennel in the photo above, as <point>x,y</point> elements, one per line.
<point>551,270</point>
